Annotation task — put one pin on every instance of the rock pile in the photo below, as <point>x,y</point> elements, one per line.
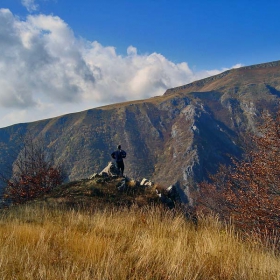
<point>168,196</point>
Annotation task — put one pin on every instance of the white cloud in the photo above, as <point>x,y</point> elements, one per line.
<point>238,65</point>
<point>29,5</point>
<point>46,71</point>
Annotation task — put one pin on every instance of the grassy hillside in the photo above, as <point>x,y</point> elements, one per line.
<point>88,229</point>
<point>139,243</point>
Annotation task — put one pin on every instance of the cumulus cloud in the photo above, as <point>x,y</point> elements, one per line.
<point>46,71</point>
<point>40,58</point>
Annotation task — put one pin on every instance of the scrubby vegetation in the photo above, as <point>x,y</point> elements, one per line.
<point>248,193</point>
<point>33,172</point>
<point>136,243</point>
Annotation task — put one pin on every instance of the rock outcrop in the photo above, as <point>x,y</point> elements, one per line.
<point>110,170</point>
<point>168,196</point>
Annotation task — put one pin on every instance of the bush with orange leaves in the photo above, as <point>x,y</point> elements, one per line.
<point>248,192</point>
<point>34,172</point>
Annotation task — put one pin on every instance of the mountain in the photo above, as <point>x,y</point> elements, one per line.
<point>176,138</point>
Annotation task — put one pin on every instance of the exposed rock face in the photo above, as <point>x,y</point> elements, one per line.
<point>110,170</point>
<point>174,139</point>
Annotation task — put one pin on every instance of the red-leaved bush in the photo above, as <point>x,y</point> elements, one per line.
<point>248,192</point>
<point>34,172</point>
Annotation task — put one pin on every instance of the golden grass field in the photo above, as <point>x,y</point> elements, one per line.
<point>148,243</point>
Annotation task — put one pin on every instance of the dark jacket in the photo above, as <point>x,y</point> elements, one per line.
<point>118,155</point>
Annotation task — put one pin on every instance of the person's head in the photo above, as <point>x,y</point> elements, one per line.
<point>119,147</point>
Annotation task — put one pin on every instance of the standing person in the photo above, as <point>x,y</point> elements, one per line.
<point>119,155</point>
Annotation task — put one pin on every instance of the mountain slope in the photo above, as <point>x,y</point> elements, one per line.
<point>176,138</point>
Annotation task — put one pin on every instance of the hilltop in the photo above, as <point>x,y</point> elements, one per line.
<point>265,73</point>
<point>108,190</point>
<point>99,193</point>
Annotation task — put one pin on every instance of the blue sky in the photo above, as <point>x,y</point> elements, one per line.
<point>63,56</point>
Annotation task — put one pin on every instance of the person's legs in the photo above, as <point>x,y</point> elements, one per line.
<point>120,166</point>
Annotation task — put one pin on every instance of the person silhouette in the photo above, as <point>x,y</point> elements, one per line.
<point>119,155</point>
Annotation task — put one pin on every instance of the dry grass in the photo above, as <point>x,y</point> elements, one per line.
<point>39,243</point>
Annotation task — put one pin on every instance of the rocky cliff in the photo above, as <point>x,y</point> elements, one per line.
<point>177,138</point>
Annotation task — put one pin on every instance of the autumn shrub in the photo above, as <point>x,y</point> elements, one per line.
<point>248,192</point>
<point>34,172</point>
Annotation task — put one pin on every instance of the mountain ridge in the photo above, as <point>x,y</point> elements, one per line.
<point>201,83</point>
<point>177,138</point>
